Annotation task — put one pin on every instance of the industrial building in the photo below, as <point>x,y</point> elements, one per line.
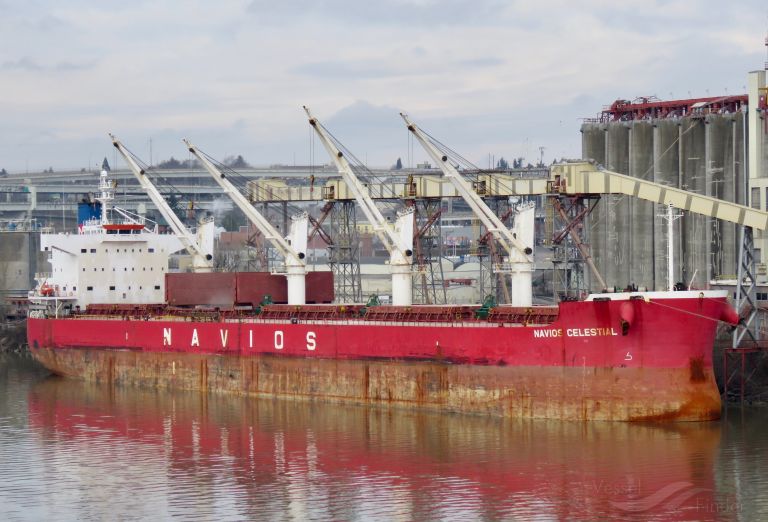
<point>20,258</point>
<point>713,146</point>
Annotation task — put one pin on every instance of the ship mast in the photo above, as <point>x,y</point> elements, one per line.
<point>105,195</point>
<point>670,217</point>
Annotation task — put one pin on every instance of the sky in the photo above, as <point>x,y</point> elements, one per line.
<point>489,78</point>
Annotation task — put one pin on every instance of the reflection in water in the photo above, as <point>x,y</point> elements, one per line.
<point>76,450</point>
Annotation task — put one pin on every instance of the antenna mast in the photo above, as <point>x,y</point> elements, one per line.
<point>670,217</point>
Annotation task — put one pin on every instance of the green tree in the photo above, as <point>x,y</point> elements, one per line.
<point>172,163</point>
<point>232,220</point>
<point>236,162</point>
<point>191,164</point>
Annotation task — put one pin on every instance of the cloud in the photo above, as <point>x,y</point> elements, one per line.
<point>498,77</point>
<point>481,62</point>
<point>387,68</point>
<point>22,64</point>
<point>28,64</point>
<point>339,69</point>
<point>404,13</point>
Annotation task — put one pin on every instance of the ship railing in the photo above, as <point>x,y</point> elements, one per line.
<point>20,225</point>
<point>325,322</point>
<point>331,322</point>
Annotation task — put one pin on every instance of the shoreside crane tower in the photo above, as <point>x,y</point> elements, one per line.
<point>200,245</point>
<point>398,240</point>
<point>517,242</point>
<point>292,248</point>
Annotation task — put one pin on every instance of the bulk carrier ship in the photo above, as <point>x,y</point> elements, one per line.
<point>110,312</point>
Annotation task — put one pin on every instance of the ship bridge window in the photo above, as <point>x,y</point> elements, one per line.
<point>93,251</point>
<point>111,287</point>
<point>762,296</point>
<point>89,288</point>
<point>150,250</point>
<point>83,250</point>
<point>157,287</point>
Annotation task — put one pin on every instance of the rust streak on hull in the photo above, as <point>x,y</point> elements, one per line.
<point>571,393</point>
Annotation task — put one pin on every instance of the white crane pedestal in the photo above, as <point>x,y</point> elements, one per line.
<point>296,276</point>
<point>402,284</point>
<point>521,275</point>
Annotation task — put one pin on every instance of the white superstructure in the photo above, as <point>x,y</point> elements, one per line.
<point>112,259</point>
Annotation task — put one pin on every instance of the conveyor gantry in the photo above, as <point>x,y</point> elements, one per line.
<point>575,178</point>
<point>421,186</point>
<point>569,178</point>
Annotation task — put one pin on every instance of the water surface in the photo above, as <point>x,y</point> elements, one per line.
<point>72,451</point>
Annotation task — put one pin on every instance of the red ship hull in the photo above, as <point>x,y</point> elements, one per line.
<point>620,359</point>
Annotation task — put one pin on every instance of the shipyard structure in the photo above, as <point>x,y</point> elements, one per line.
<point>713,146</point>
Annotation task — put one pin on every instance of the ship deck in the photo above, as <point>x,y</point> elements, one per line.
<point>417,315</point>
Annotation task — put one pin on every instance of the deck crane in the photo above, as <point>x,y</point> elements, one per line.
<point>517,242</point>
<point>398,240</point>
<point>200,245</point>
<point>292,248</point>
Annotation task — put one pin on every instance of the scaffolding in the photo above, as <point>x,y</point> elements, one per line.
<point>570,249</point>
<point>428,285</point>
<point>344,252</point>
<point>490,254</point>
